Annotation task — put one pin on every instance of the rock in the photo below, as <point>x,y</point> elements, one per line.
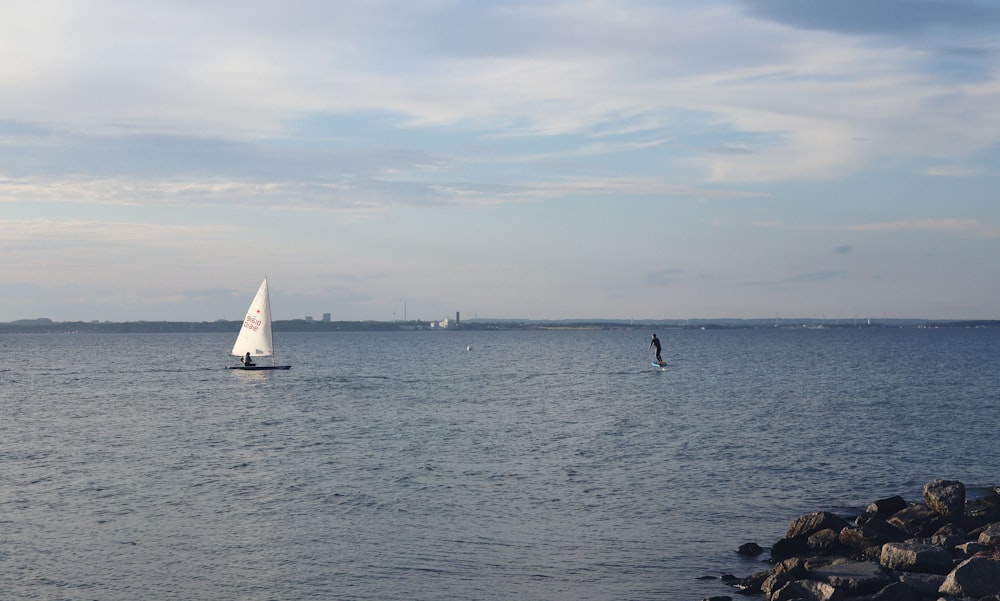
<point>982,511</point>
<point>821,590</point>
<point>952,530</point>
<point>916,557</point>
<point>750,549</point>
<point>889,506</point>
<point>880,524</point>
<point>923,585</point>
<point>967,550</point>
<point>975,577</point>
<point>789,547</point>
<point>773,583</point>
<point>918,520</point>
<point>892,552</point>
<point>853,577</point>
<point>795,567</point>
<point>805,525</point>
<point>946,497</point>
<point>824,541</point>
<point>896,591</point>
<point>990,535</point>
<point>791,591</point>
<point>861,538</point>
<point>751,585</point>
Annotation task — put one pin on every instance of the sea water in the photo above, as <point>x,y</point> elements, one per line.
<point>441,465</point>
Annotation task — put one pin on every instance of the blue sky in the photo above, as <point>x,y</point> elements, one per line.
<point>597,159</point>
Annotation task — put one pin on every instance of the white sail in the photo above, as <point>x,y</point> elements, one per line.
<point>255,335</point>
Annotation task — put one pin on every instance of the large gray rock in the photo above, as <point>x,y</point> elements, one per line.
<point>946,497</point>
<point>750,549</point>
<point>824,541</point>
<point>896,591</point>
<point>916,557</point>
<point>880,524</point>
<point>888,506</point>
<point>990,535</point>
<point>795,567</point>
<point>982,511</point>
<point>861,538</point>
<point>773,582</point>
<point>791,591</point>
<point>852,577</point>
<point>821,590</point>
<point>975,577</point>
<point>923,585</point>
<point>789,547</point>
<point>918,520</point>
<point>806,525</point>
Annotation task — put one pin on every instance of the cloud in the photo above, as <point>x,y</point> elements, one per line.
<point>780,103</point>
<point>884,16</point>
<point>967,227</point>
<point>952,172</point>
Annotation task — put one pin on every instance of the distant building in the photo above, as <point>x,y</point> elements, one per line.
<point>326,317</point>
<point>447,324</point>
<point>309,317</point>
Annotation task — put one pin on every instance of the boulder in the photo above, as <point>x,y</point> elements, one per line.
<point>861,538</point>
<point>946,497</point>
<point>795,567</point>
<point>791,591</point>
<point>952,530</point>
<point>982,511</point>
<point>852,577</point>
<point>789,547</point>
<point>889,506</point>
<point>821,590</point>
<point>923,585</point>
<point>751,585</point>
<point>896,591</point>
<point>824,541</point>
<point>918,520</point>
<point>880,524</point>
<point>975,577</point>
<point>990,535</point>
<point>808,524</point>
<point>773,583</point>
<point>750,549</point>
<point>916,557</point>
<point>967,550</point>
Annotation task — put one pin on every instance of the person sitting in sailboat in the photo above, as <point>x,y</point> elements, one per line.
<point>247,361</point>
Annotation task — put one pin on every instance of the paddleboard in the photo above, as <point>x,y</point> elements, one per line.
<point>259,367</point>
<point>655,364</point>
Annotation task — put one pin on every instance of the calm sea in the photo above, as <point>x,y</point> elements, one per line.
<point>537,465</point>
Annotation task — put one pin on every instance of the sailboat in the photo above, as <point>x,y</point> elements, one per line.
<point>255,335</point>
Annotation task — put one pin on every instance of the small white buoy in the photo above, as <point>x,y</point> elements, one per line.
<point>468,348</point>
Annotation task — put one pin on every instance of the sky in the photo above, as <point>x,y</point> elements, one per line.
<point>584,159</point>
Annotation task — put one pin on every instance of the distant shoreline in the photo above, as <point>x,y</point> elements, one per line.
<point>47,326</point>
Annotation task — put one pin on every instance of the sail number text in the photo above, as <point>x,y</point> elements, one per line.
<point>251,323</point>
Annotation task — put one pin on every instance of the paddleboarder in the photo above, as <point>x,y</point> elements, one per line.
<point>656,342</point>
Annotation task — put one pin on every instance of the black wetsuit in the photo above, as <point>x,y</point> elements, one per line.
<point>656,343</point>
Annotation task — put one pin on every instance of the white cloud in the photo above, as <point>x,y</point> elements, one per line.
<point>967,227</point>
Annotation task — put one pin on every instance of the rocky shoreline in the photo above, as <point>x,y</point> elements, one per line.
<point>943,548</point>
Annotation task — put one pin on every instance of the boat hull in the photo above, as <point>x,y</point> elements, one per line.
<point>259,367</point>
